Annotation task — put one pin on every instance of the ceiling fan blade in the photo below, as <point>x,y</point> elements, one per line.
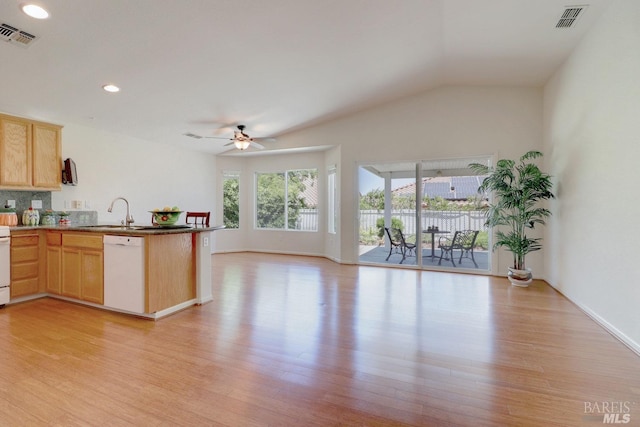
<point>256,145</point>
<point>217,137</point>
<point>228,144</point>
<point>265,139</point>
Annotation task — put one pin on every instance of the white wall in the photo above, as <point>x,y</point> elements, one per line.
<point>148,175</point>
<point>592,137</point>
<point>449,122</point>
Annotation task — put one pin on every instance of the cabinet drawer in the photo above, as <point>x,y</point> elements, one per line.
<point>54,239</point>
<point>24,253</point>
<point>24,287</point>
<point>82,240</point>
<point>24,270</point>
<point>26,240</point>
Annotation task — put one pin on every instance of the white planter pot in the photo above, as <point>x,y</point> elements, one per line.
<point>520,277</point>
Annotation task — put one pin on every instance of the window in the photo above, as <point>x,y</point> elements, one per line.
<point>231,199</point>
<point>332,211</point>
<point>287,200</point>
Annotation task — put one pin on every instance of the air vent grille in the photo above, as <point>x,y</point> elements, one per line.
<point>6,31</point>
<point>16,36</point>
<point>570,15</point>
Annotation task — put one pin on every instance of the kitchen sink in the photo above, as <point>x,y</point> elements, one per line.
<point>122,227</point>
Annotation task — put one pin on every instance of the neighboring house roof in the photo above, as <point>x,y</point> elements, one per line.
<point>310,193</point>
<point>447,187</point>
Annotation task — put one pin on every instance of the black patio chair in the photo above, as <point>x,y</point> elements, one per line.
<point>394,240</point>
<point>408,249</point>
<point>467,243</point>
<point>464,241</point>
<point>399,244</point>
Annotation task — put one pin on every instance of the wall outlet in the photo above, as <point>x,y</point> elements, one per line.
<point>36,204</point>
<point>11,203</point>
<point>205,242</point>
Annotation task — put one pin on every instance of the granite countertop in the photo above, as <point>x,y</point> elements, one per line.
<point>118,229</point>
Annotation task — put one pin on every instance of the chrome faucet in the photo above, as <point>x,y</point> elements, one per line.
<point>128,219</point>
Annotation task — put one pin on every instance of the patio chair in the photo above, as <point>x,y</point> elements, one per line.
<point>408,249</point>
<point>399,244</point>
<point>467,243</point>
<point>463,241</point>
<point>394,240</point>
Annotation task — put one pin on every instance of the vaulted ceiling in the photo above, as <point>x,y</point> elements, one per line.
<point>274,65</point>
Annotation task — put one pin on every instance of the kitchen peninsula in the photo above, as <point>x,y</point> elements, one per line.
<point>68,262</point>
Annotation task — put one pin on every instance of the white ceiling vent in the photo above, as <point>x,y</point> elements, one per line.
<point>16,36</point>
<point>570,15</point>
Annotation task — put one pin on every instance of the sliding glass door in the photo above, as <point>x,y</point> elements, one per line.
<point>432,210</point>
<point>387,215</point>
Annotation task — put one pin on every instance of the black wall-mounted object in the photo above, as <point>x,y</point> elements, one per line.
<point>69,174</point>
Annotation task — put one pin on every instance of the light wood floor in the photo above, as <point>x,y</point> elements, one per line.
<point>298,341</point>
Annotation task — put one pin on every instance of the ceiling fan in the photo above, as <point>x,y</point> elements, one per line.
<point>240,139</point>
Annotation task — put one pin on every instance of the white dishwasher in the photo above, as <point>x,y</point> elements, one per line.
<point>124,273</point>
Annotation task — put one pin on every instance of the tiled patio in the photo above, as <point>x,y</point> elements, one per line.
<point>377,254</point>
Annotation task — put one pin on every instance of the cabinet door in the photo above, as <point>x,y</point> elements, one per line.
<point>47,160</point>
<point>92,284</point>
<point>54,270</point>
<point>15,152</point>
<point>71,272</point>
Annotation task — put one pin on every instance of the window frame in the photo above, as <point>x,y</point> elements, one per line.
<point>285,174</point>
<point>228,175</point>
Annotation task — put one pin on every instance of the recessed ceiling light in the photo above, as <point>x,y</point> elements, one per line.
<point>111,88</point>
<point>35,11</point>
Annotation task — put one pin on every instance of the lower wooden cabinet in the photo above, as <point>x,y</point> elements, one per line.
<point>54,262</point>
<point>82,273</point>
<point>25,263</point>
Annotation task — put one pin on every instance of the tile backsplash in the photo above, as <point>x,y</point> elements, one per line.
<point>23,201</point>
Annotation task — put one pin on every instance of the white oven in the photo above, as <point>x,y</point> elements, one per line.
<point>5,264</point>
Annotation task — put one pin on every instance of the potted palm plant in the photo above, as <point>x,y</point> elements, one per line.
<point>517,188</point>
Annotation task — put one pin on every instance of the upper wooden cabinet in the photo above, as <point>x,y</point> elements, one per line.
<point>30,154</point>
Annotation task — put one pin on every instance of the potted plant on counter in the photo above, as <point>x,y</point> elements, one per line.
<point>517,188</point>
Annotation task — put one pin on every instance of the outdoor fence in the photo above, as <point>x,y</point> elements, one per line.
<point>445,220</point>
<point>307,220</point>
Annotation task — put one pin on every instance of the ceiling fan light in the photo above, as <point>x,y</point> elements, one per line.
<point>242,144</point>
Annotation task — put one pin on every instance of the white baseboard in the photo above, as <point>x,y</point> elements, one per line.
<point>330,258</point>
<point>634,346</point>
<point>619,335</point>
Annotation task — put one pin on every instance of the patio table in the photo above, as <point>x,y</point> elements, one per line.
<point>433,239</point>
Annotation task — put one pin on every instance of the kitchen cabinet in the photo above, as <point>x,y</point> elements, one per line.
<point>47,158</point>
<point>25,266</point>
<point>172,267</point>
<point>54,262</point>
<point>82,267</point>
<point>30,154</point>
<point>169,270</point>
